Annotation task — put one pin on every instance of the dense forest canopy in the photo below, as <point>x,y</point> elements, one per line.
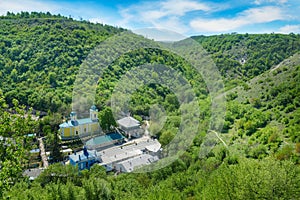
<point>40,55</point>
<point>247,55</point>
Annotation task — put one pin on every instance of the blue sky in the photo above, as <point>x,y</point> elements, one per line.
<point>187,17</point>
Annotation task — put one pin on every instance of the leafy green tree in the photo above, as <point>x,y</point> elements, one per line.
<point>107,120</point>
<point>166,137</point>
<point>96,189</point>
<point>97,171</point>
<point>13,147</point>
<point>55,152</point>
<point>267,179</point>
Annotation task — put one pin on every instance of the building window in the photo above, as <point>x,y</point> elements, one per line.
<point>84,129</point>
<point>87,164</point>
<point>76,132</point>
<point>95,115</point>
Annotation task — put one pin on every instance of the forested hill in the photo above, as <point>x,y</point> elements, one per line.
<point>40,55</point>
<point>257,156</point>
<point>245,56</point>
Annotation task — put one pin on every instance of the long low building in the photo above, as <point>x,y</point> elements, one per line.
<point>111,157</point>
<point>103,141</point>
<point>135,163</point>
<point>122,158</point>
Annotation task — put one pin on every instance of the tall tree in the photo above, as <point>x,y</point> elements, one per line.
<point>107,120</point>
<point>55,152</point>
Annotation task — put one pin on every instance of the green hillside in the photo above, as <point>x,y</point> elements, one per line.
<point>40,55</point>
<point>243,56</point>
<point>264,112</point>
<point>257,157</point>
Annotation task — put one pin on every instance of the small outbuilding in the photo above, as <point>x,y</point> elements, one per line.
<point>33,173</point>
<point>130,126</point>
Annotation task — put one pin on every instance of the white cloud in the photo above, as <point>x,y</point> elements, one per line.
<point>97,20</point>
<point>180,7</point>
<point>182,16</point>
<point>159,34</point>
<point>290,29</point>
<point>248,17</point>
<point>29,5</point>
<point>161,14</point>
<point>259,2</point>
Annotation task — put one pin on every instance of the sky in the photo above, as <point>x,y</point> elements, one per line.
<point>186,17</point>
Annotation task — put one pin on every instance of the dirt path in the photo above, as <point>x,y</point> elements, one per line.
<point>43,153</point>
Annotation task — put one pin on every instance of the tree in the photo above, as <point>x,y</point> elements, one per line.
<point>97,171</point>
<point>253,179</point>
<point>52,79</point>
<point>13,148</point>
<point>55,151</point>
<point>167,136</point>
<point>96,189</point>
<point>107,120</point>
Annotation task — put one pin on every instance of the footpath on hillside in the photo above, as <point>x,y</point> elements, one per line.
<point>43,153</point>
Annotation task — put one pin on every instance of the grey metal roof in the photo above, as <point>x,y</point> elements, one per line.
<point>128,122</point>
<point>33,173</point>
<point>128,150</point>
<point>136,162</point>
<point>37,150</point>
<point>154,147</point>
